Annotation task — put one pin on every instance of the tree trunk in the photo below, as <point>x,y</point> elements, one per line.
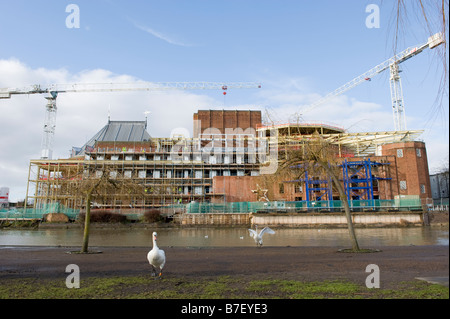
<point>344,200</point>
<point>87,223</point>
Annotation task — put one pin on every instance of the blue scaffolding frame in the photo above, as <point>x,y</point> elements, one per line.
<point>357,178</point>
<point>316,189</point>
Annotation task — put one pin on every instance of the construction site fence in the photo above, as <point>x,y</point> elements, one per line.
<point>304,206</point>
<point>33,213</point>
<point>230,207</point>
<point>437,205</point>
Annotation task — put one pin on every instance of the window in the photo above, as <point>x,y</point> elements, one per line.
<point>375,183</point>
<point>403,185</point>
<point>418,153</point>
<point>281,188</point>
<point>298,188</point>
<point>422,188</point>
<point>400,152</point>
<point>142,174</point>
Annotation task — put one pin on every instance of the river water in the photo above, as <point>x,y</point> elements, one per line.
<point>216,237</point>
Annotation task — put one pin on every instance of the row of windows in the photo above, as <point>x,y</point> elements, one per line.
<point>208,159</point>
<point>404,187</point>
<point>298,188</point>
<point>400,152</point>
<point>179,173</point>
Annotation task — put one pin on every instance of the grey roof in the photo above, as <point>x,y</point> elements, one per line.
<point>119,131</point>
<point>123,131</point>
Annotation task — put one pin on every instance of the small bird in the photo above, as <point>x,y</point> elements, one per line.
<point>258,237</point>
<point>156,257</point>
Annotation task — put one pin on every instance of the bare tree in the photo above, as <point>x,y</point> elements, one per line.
<point>317,157</point>
<point>105,183</point>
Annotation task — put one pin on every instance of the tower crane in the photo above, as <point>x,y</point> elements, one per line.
<point>398,106</point>
<point>54,89</point>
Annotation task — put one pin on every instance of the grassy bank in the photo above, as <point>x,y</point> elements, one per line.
<point>224,287</point>
<point>18,223</point>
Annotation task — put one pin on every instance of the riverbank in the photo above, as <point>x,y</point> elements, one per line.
<point>222,272</point>
<point>199,220</point>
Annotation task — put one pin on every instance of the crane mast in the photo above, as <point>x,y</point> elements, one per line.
<point>54,89</point>
<point>395,80</point>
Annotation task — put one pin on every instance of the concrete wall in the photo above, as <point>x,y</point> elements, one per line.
<point>334,220</point>
<point>213,219</point>
<point>300,220</point>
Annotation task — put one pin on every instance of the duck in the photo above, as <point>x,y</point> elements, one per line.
<point>258,237</point>
<point>156,257</point>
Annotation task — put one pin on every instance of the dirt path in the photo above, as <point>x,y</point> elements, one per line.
<point>396,264</point>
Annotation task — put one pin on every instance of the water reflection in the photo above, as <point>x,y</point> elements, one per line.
<point>211,237</point>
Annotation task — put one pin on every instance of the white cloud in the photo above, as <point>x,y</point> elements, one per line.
<point>79,115</point>
<point>290,97</point>
<point>285,97</point>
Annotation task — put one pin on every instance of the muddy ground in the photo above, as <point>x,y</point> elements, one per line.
<point>396,264</point>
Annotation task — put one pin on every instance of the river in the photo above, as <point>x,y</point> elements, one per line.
<point>216,237</point>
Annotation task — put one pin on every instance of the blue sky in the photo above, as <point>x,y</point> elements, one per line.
<point>298,50</point>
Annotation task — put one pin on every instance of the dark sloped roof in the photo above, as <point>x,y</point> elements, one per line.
<point>119,131</point>
<point>123,131</point>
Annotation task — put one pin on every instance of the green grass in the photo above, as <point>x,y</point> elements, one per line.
<point>223,287</point>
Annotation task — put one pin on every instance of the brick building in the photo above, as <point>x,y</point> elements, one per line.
<point>227,161</point>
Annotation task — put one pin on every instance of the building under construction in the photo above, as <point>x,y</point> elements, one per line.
<point>228,159</point>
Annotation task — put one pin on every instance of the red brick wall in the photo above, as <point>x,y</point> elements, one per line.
<point>221,120</point>
<point>410,167</point>
<point>239,189</point>
<point>235,188</point>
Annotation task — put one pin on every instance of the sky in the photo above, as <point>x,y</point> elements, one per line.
<point>298,50</point>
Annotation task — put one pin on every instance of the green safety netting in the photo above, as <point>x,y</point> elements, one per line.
<point>400,204</point>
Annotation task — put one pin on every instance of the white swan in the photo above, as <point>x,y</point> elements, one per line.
<point>156,257</point>
<point>258,237</point>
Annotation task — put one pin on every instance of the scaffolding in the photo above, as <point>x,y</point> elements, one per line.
<point>171,171</point>
<point>359,180</point>
<point>178,171</point>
